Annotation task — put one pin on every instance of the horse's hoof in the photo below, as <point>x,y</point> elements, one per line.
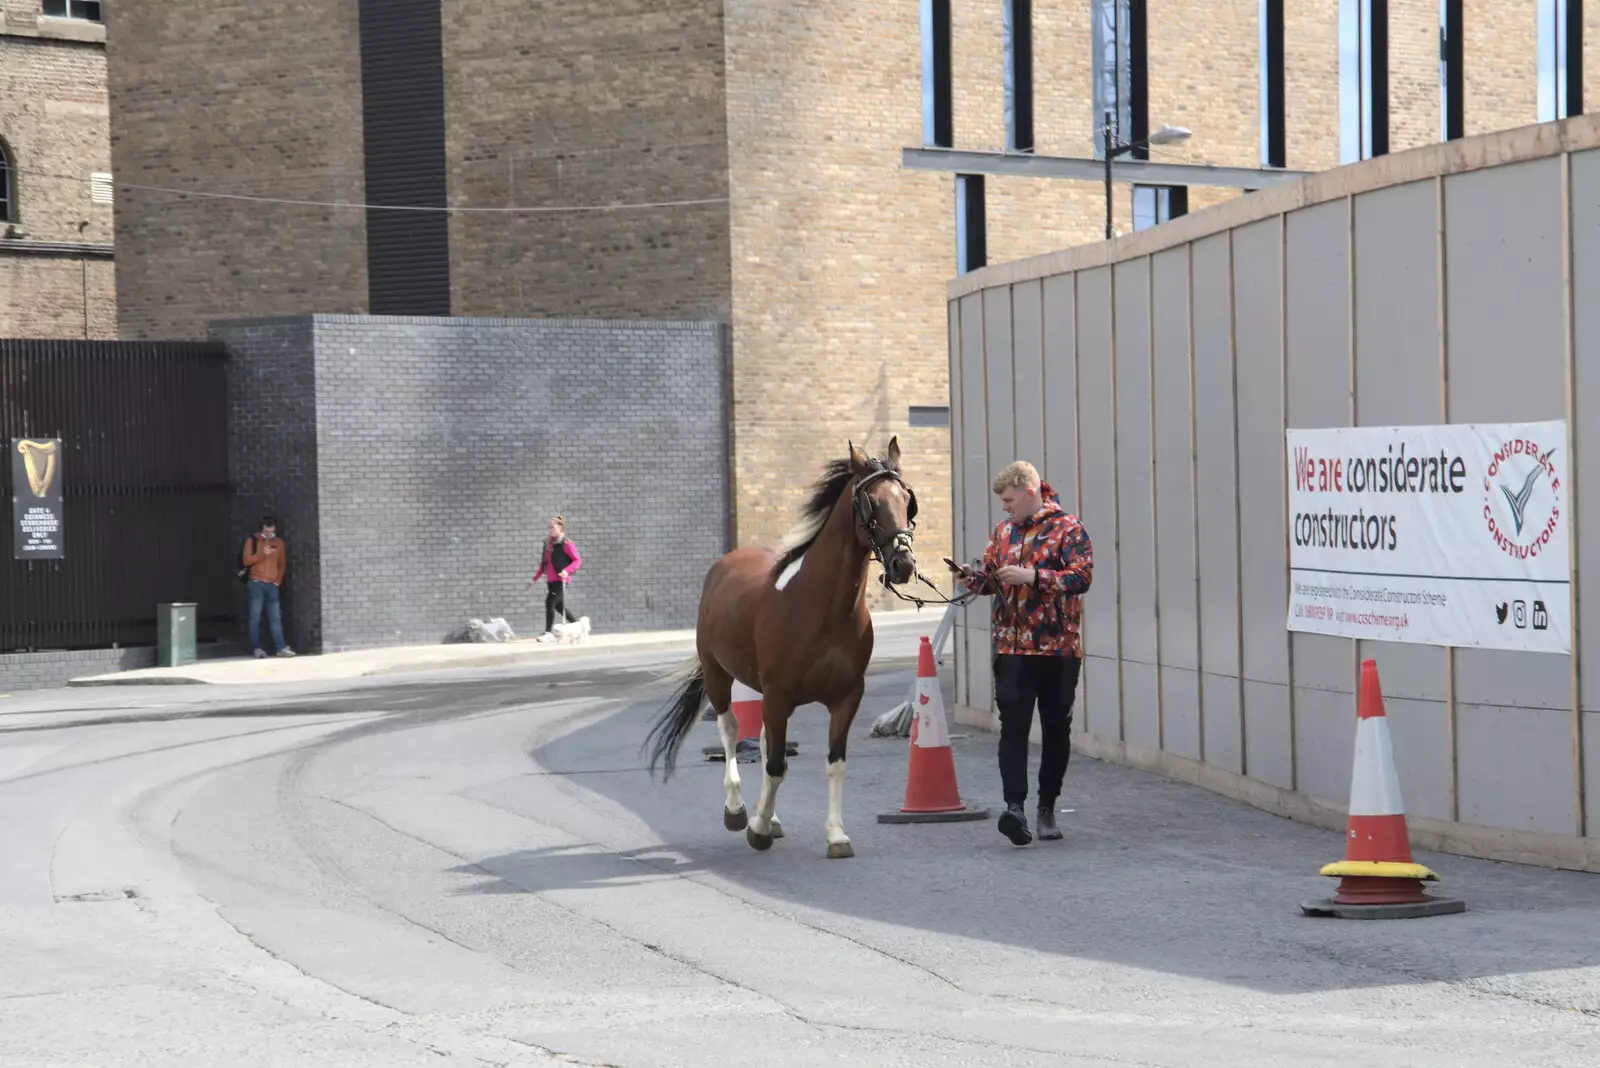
<point>735,821</point>
<point>777,828</point>
<point>840,850</point>
<point>758,841</point>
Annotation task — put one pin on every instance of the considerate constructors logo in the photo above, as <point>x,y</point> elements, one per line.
<point>1522,498</point>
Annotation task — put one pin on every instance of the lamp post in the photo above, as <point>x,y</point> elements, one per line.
<point>1165,136</point>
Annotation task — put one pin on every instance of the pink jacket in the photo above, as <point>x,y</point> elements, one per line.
<point>547,567</point>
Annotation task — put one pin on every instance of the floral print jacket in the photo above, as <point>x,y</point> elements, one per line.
<point>1045,619</point>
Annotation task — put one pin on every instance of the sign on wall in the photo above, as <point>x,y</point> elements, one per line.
<point>1437,535</point>
<point>36,499</point>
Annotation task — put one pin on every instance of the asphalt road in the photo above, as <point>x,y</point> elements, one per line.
<point>474,869</point>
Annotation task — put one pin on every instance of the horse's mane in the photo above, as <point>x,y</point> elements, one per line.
<point>825,493</point>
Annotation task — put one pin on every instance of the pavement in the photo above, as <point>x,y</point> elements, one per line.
<point>405,659</point>
<point>472,867</point>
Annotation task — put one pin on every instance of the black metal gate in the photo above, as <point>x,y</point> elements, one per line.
<point>144,454</point>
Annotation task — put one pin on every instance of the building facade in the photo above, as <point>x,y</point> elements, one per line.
<point>56,274</point>
<point>742,161</point>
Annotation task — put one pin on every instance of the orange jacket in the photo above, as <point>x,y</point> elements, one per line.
<point>268,567</point>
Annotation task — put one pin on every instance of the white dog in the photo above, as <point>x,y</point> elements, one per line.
<point>496,630</point>
<point>570,633</point>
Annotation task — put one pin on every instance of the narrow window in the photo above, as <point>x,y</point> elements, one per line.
<point>938,126</point>
<point>88,10</point>
<point>1156,204</point>
<point>1452,75</point>
<point>1560,59</point>
<point>1113,72</point>
<point>8,190</point>
<point>971,239</point>
<point>1274,134</point>
<point>1138,77</point>
<point>929,415</point>
<point>1363,79</point>
<point>1017,16</point>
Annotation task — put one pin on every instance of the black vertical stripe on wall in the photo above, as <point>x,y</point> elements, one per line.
<point>1574,88</point>
<point>1276,150</point>
<point>1138,77</point>
<point>402,112</point>
<point>1378,87</point>
<point>1451,38</point>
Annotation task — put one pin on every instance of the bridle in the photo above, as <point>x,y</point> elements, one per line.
<point>883,544</point>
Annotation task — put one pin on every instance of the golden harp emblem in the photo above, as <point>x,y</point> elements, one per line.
<point>39,458</point>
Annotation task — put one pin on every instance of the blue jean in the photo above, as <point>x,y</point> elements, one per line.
<point>265,593</point>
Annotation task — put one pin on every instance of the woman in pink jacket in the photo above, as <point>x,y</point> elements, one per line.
<point>557,566</point>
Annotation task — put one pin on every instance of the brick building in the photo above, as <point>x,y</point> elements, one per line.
<point>56,277</point>
<point>769,138</point>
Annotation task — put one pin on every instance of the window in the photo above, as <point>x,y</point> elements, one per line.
<point>929,415</point>
<point>1274,135</point>
<point>972,243</point>
<point>1560,59</point>
<point>1452,74</point>
<point>8,187</point>
<point>1017,16</point>
<point>88,10</point>
<point>1120,73</point>
<point>1363,79</point>
<point>1156,204</point>
<point>938,126</point>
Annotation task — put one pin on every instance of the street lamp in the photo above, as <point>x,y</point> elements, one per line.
<point>1165,136</point>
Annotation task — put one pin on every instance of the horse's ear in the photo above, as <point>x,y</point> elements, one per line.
<point>894,453</point>
<point>858,459</point>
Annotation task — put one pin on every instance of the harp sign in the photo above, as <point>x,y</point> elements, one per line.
<point>39,460</point>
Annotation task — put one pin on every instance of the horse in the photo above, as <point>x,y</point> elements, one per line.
<point>793,625</point>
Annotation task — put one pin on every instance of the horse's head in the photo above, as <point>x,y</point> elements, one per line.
<point>885,511</point>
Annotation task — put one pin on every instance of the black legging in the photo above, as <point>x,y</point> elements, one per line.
<point>555,600</point>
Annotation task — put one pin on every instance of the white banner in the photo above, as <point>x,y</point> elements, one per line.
<point>1438,535</point>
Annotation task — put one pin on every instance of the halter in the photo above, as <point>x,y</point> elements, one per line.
<point>896,541</point>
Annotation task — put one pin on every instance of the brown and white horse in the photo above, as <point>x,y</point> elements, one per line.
<point>793,625</point>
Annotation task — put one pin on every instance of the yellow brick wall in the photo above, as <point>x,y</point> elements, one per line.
<point>1415,96</point>
<point>51,296</point>
<point>1500,64</point>
<point>1311,83</point>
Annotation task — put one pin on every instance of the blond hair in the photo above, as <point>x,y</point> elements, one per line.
<point>1020,474</point>
<point>560,521</point>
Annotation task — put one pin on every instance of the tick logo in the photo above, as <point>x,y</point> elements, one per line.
<point>1500,611</point>
<point>1519,614</point>
<point>1541,616</point>
<point>1522,498</point>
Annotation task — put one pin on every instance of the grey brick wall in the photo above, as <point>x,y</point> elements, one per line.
<point>438,448</point>
<point>51,668</point>
<point>272,455</point>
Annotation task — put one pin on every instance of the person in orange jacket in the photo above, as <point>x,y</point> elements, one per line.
<point>265,558</point>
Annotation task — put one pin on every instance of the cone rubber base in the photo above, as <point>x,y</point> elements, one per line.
<point>1434,906</point>
<point>745,747</point>
<point>959,815</point>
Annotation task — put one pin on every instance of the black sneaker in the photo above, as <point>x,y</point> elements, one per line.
<point>1014,825</point>
<point>1047,823</point>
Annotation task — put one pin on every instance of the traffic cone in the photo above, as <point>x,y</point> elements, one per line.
<point>1379,880</point>
<point>931,793</point>
<point>746,708</point>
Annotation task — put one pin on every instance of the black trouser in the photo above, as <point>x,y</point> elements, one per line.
<point>555,601</point>
<point>1019,681</point>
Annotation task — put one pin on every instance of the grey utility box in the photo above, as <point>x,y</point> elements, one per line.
<point>175,634</point>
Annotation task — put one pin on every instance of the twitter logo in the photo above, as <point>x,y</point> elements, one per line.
<point>1500,612</point>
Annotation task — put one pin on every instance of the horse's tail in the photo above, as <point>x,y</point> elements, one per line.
<point>678,718</point>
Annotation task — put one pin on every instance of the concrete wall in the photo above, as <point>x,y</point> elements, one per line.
<point>414,463</point>
<point>1152,379</point>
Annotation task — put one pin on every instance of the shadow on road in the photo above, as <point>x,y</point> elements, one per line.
<point>1153,873</point>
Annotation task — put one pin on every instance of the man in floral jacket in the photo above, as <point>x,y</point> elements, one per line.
<point>1037,565</point>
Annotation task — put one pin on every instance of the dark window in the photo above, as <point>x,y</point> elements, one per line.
<point>929,415</point>
<point>972,241</point>
<point>88,10</point>
<point>1112,71</point>
<point>938,124</point>
<point>1017,16</point>
<point>1452,74</point>
<point>1363,79</point>
<point>1560,59</point>
<point>1274,134</point>
<point>8,188</point>
<point>1156,204</point>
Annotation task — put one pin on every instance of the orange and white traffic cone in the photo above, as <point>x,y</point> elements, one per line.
<point>1379,880</point>
<point>931,792</point>
<point>746,709</point>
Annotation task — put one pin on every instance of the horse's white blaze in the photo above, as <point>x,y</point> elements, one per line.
<point>729,726</point>
<point>836,802</point>
<point>790,572</point>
